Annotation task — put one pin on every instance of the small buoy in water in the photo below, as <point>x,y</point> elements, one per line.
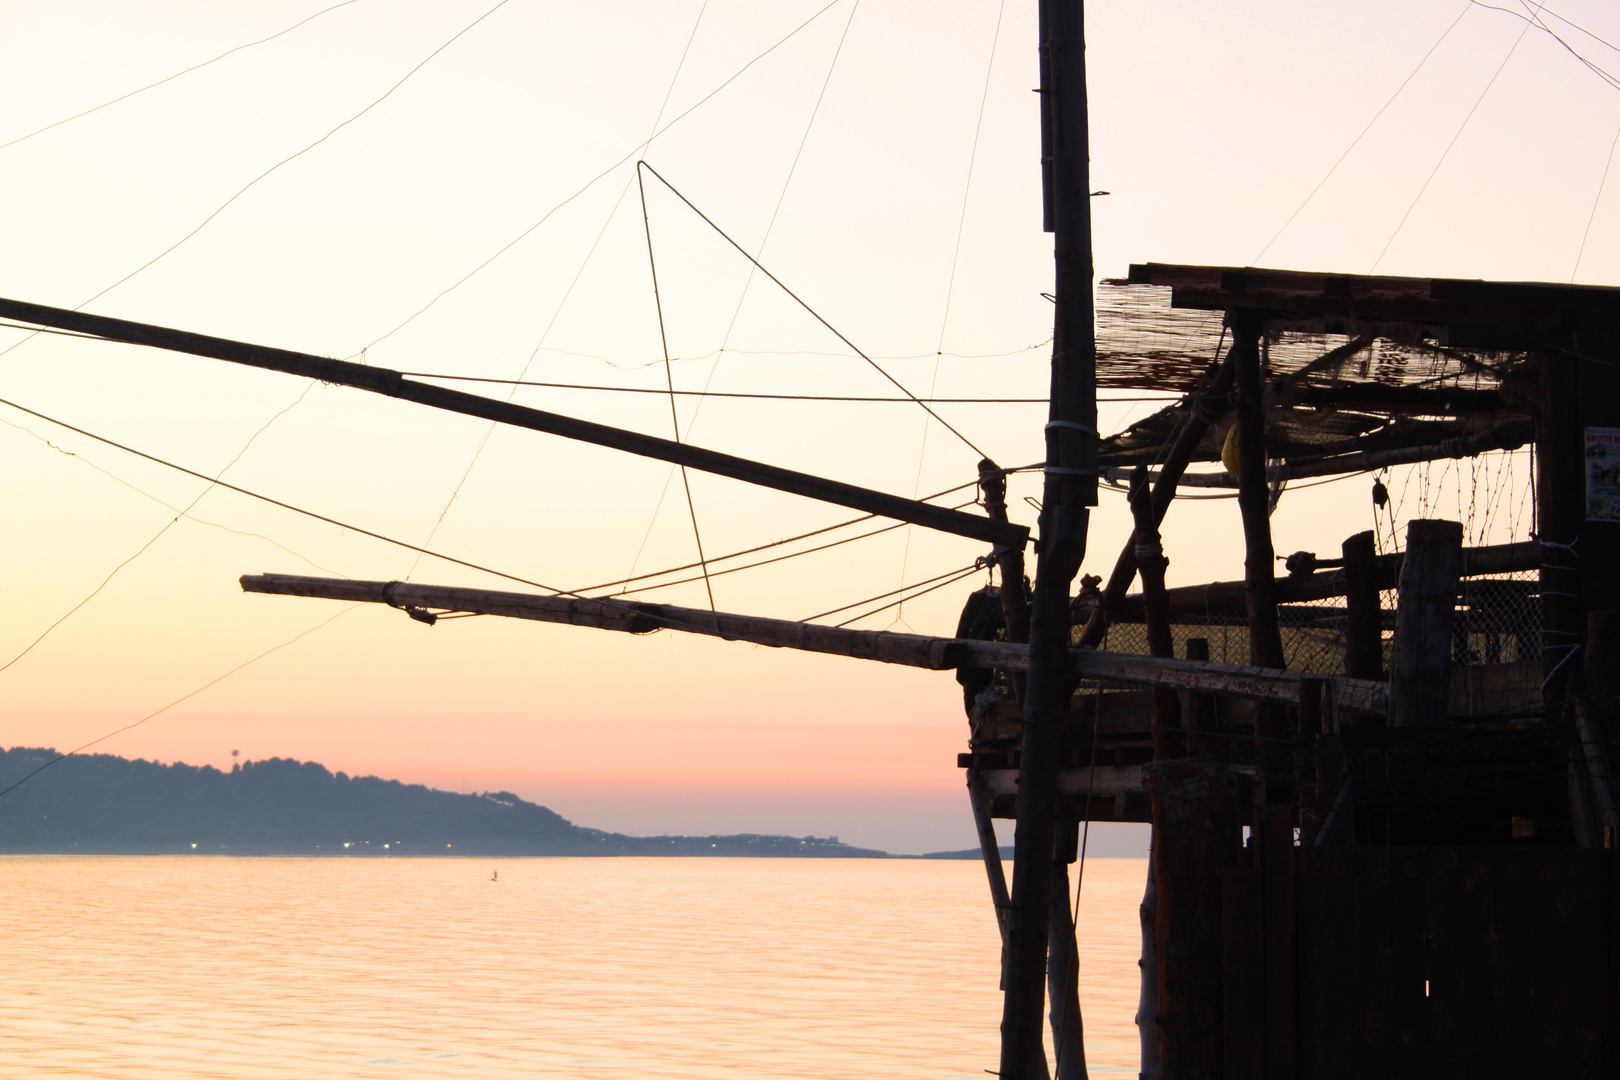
<point>496,876</point>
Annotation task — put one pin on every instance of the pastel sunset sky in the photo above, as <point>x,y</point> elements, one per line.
<point>472,210</point>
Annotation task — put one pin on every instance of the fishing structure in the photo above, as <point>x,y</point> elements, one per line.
<point>1384,819</point>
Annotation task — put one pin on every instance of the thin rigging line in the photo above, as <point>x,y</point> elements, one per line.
<point>753,397</point>
<point>883,595</point>
<point>179,700</point>
<point>1357,140</point>
<point>593,180</point>
<point>719,354</point>
<point>386,94</point>
<point>1445,153</point>
<point>950,288</point>
<point>109,474</point>
<point>158,535</point>
<point>176,75</point>
<point>779,558</point>
<point>1597,197</point>
<point>696,628</point>
<point>276,502</point>
<point>1534,19</point>
<point>674,417</point>
<point>967,184</point>
<point>812,311</point>
<point>967,573</point>
<point>774,544</point>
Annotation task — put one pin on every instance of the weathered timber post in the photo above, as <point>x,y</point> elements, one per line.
<point>1063,963</point>
<point>1420,672</point>
<point>1363,615</point>
<point>979,797</point>
<point>1207,407</point>
<point>1068,492</point>
<point>1195,805</point>
<point>1167,737</point>
<point>1254,503</point>
<point>1147,1002</point>
<point>1560,510</point>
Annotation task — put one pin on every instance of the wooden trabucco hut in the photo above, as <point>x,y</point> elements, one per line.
<point>1384,820</point>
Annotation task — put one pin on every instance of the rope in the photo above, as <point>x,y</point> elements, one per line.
<point>969,572</point>
<point>674,418</point>
<point>812,312</point>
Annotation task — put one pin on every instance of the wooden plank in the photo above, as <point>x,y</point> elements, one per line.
<point>393,384</point>
<point>980,798</point>
<point>1420,675</point>
<point>1520,960</point>
<point>1243,1003</point>
<point>1378,1042</point>
<point>1196,835</point>
<point>1330,953</point>
<point>1277,842</point>
<point>1408,1004</point>
<point>1463,1028</point>
<point>1579,1043</point>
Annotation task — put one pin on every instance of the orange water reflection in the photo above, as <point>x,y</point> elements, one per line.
<point>348,968</point>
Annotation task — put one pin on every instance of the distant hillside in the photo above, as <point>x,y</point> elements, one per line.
<point>101,804</point>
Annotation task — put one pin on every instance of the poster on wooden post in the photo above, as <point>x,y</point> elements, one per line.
<point>1603,474</point>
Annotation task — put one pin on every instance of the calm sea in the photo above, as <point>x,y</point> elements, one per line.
<point>329,969</point>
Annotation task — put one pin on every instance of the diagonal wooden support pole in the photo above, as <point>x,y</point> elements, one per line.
<point>1208,406</point>
<point>393,384</point>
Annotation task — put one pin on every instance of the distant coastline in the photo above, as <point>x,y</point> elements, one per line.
<point>104,804</point>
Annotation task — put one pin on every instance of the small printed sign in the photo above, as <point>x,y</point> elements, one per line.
<point>1602,474</point>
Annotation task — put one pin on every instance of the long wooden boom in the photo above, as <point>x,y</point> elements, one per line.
<point>391,383</point>
<point>910,650</point>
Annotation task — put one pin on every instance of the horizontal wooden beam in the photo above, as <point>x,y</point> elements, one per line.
<point>1303,588</point>
<point>1509,436</point>
<point>393,384</point>
<point>911,650</point>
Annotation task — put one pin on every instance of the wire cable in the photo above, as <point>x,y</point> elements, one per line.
<point>158,535</point>
<point>1357,140</point>
<point>639,148</point>
<point>726,338</point>
<point>674,417</point>
<point>749,397</point>
<point>1447,151</point>
<point>969,572</point>
<point>176,75</point>
<point>810,310</point>
<point>183,698</point>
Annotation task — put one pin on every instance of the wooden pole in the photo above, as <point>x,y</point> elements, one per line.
<point>1260,586</point>
<point>1420,672</point>
<point>1068,493</point>
<point>1063,963</point>
<point>391,383</point>
<point>1324,584</point>
<point>1207,407</point>
<point>909,650</point>
<point>1149,550</point>
<point>1147,1002</point>
<point>980,798</point>
<point>1509,435</point>
<point>1196,838</point>
<point>1363,613</point>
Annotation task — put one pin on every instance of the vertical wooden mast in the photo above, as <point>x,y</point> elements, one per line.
<point>1070,490</point>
